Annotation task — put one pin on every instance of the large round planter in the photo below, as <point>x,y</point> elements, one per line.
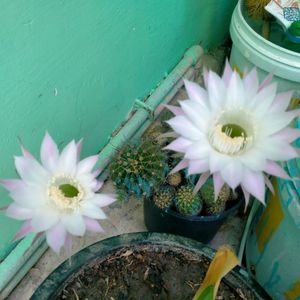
<point>272,250</point>
<point>251,49</point>
<point>200,228</point>
<point>55,283</point>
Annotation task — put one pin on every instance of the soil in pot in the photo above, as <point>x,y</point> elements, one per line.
<point>144,272</point>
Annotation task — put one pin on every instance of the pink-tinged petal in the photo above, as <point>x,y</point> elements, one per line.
<point>25,229</point>
<point>274,169</point>
<point>79,148</point>
<point>97,172</point>
<point>235,92</point>
<point>182,165</point>
<point>29,196</point>
<point>247,197</point>
<point>97,185</point>
<point>177,111</point>
<point>102,200</point>
<point>281,102</point>
<point>266,82</point>
<point>56,237</point>
<point>195,92</point>
<point>17,212</point>
<point>227,72</point>
<point>251,83</point>
<point>185,128</point>
<point>26,153</point>
<point>199,150</point>
<point>68,159</point>
<point>30,170</point>
<point>87,164</point>
<point>232,174</point>
<point>216,90</point>
<point>92,225</point>
<point>202,179</point>
<point>68,245</point>
<point>277,150</point>
<point>178,145</point>
<point>218,184</point>
<point>74,224</point>
<point>198,114</point>
<point>263,100</point>
<point>254,183</point>
<point>49,152</point>
<point>43,219</point>
<point>288,134</point>
<point>12,184</point>
<point>217,161</point>
<point>269,185</point>
<point>93,211</point>
<point>198,166</point>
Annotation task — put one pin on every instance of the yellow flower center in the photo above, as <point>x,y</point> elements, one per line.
<point>65,192</point>
<point>233,132</point>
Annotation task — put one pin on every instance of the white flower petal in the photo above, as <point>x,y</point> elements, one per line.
<point>102,200</point>
<point>251,83</point>
<point>30,170</point>
<point>232,174</point>
<point>254,183</point>
<point>43,219</point>
<point>196,113</point>
<point>198,166</point>
<point>56,236</point>
<point>92,211</point>
<point>93,225</point>
<point>17,212</point>
<point>74,224</point>
<point>184,127</point>
<point>68,159</point>
<point>195,92</point>
<point>179,145</point>
<point>216,91</point>
<point>87,164</point>
<point>198,150</point>
<point>49,153</point>
<point>236,96</point>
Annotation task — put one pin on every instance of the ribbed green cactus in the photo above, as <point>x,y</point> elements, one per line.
<point>154,133</point>
<point>139,168</point>
<point>163,198</point>
<point>186,202</point>
<point>212,206</point>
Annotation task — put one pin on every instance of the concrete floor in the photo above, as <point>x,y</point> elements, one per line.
<point>125,218</point>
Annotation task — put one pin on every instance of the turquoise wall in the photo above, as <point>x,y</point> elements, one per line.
<point>75,67</point>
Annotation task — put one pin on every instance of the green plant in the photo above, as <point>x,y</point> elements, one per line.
<point>214,206</point>
<point>174,179</point>
<point>163,198</point>
<point>138,169</point>
<point>187,202</point>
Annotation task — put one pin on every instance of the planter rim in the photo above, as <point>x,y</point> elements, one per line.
<point>274,59</point>
<point>102,248</point>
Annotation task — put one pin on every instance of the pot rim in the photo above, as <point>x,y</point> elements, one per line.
<point>104,247</point>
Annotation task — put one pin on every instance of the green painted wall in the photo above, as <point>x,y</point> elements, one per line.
<point>74,67</point>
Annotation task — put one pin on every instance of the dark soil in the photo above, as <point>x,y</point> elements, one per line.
<point>142,273</point>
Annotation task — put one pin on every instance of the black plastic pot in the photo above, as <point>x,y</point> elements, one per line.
<point>237,279</point>
<point>200,228</point>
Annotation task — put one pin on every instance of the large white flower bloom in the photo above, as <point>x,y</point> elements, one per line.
<point>234,130</point>
<point>58,196</point>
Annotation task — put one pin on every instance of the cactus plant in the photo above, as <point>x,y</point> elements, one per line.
<point>186,202</point>
<point>163,198</point>
<point>139,168</point>
<point>174,179</point>
<point>214,206</point>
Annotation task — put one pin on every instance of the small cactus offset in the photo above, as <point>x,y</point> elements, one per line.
<point>186,202</point>
<point>214,206</point>
<point>174,179</point>
<point>163,198</point>
<point>139,168</point>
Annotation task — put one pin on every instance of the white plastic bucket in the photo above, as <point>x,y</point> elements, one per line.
<point>251,49</point>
